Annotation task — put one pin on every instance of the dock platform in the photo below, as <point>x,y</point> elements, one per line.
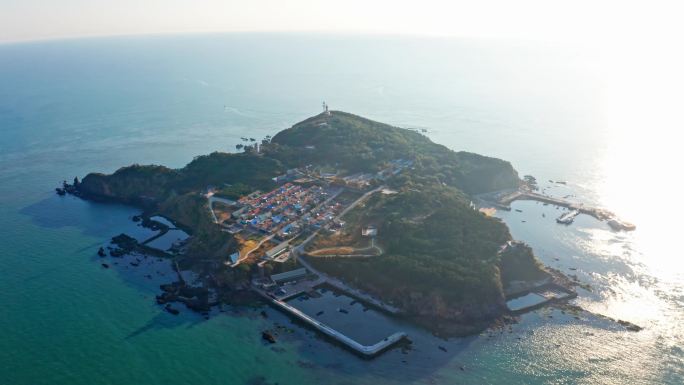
<point>366,351</point>
<point>598,213</point>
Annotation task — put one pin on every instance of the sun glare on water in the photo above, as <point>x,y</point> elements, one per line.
<point>643,119</point>
<point>640,180</point>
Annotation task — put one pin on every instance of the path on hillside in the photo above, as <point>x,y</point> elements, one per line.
<point>258,245</point>
<point>329,252</point>
<point>211,198</point>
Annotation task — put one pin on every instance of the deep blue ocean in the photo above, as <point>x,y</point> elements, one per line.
<point>75,106</point>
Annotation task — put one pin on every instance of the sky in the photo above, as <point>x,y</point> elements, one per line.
<point>576,21</point>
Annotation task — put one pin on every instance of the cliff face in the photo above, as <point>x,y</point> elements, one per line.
<point>192,212</point>
<point>436,306</point>
<point>453,319</point>
<point>518,264</point>
<point>437,310</point>
<point>484,174</point>
<point>133,184</point>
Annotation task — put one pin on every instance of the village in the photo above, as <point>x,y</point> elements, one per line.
<point>275,226</point>
<point>307,200</point>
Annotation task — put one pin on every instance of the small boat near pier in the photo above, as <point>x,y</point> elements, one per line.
<point>568,217</point>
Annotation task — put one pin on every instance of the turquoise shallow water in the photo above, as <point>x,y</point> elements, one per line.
<point>70,107</point>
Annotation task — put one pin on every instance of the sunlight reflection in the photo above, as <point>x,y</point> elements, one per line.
<point>640,182</point>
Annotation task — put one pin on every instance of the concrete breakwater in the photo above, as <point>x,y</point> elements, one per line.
<point>505,200</point>
<point>366,351</point>
<point>597,213</point>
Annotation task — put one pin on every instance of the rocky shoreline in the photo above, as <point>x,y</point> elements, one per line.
<point>207,295</point>
<point>200,298</point>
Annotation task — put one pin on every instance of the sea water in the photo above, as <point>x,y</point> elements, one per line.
<point>75,106</point>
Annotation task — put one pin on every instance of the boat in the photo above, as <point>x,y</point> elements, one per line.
<point>567,218</point>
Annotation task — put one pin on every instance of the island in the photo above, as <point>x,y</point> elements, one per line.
<point>380,212</point>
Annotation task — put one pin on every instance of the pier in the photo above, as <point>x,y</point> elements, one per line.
<point>568,217</point>
<point>366,351</point>
<point>598,213</point>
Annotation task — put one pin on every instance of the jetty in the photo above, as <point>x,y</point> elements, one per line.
<point>504,199</point>
<point>366,351</point>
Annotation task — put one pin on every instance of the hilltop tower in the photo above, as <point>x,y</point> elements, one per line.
<point>325,109</point>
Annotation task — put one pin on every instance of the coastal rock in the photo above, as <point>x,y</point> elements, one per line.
<point>268,336</point>
<point>171,310</point>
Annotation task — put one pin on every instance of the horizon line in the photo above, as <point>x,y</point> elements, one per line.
<point>341,33</point>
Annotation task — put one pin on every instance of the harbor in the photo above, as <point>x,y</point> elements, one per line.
<point>281,288</point>
<point>503,200</point>
<point>369,350</point>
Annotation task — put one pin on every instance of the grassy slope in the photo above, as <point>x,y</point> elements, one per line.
<point>358,144</point>
<point>440,254</point>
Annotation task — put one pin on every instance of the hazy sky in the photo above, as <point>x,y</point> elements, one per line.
<point>570,20</point>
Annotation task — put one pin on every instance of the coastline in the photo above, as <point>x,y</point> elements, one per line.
<point>181,195</point>
<point>440,327</point>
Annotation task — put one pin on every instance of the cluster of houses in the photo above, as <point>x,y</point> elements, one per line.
<point>283,211</point>
<point>359,180</point>
<point>286,211</point>
<point>364,180</point>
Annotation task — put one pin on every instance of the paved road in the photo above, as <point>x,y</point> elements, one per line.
<point>212,199</point>
<point>261,242</point>
<point>361,199</point>
<point>359,253</point>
